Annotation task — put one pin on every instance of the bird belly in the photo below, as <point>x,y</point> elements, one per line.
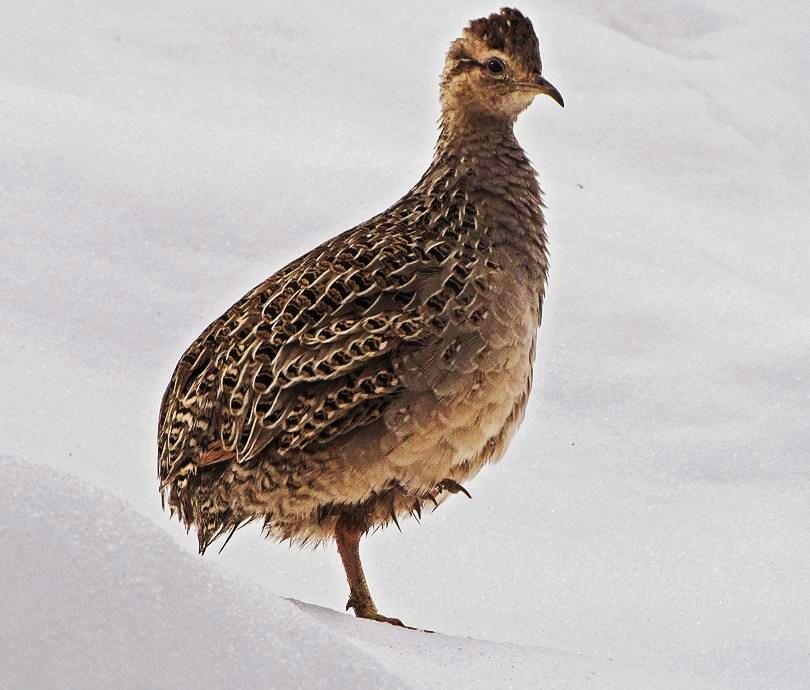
<point>455,436</point>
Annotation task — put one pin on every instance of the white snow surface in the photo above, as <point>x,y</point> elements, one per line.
<point>126,608</point>
<point>649,525</point>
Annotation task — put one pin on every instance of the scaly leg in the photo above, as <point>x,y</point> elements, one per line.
<point>347,536</point>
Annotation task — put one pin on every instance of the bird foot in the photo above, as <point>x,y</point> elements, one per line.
<point>451,486</point>
<point>385,619</point>
<point>370,613</point>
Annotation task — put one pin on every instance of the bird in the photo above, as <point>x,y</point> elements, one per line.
<point>371,377</point>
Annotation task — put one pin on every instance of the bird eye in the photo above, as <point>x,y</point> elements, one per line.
<point>495,66</point>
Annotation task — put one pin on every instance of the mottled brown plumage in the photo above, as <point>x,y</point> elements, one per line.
<point>377,372</point>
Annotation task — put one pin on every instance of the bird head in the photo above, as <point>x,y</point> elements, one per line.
<point>493,70</point>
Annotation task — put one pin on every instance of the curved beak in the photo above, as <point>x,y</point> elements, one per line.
<point>549,89</point>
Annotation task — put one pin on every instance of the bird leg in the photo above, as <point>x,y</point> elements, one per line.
<point>347,536</point>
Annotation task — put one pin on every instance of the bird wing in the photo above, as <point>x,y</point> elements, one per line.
<point>321,347</point>
<point>326,344</point>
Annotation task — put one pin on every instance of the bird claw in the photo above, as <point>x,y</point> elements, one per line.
<point>452,486</point>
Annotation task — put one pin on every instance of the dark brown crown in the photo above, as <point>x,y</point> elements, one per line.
<point>510,32</point>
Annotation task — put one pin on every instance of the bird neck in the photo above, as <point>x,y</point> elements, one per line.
<point>484,158</point>
<point>474,136</point>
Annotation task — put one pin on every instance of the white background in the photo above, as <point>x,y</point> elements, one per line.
<point>650,520</point>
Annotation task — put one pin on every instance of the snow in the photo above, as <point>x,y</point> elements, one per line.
<point>126,608</point>
<point>648,526</point>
